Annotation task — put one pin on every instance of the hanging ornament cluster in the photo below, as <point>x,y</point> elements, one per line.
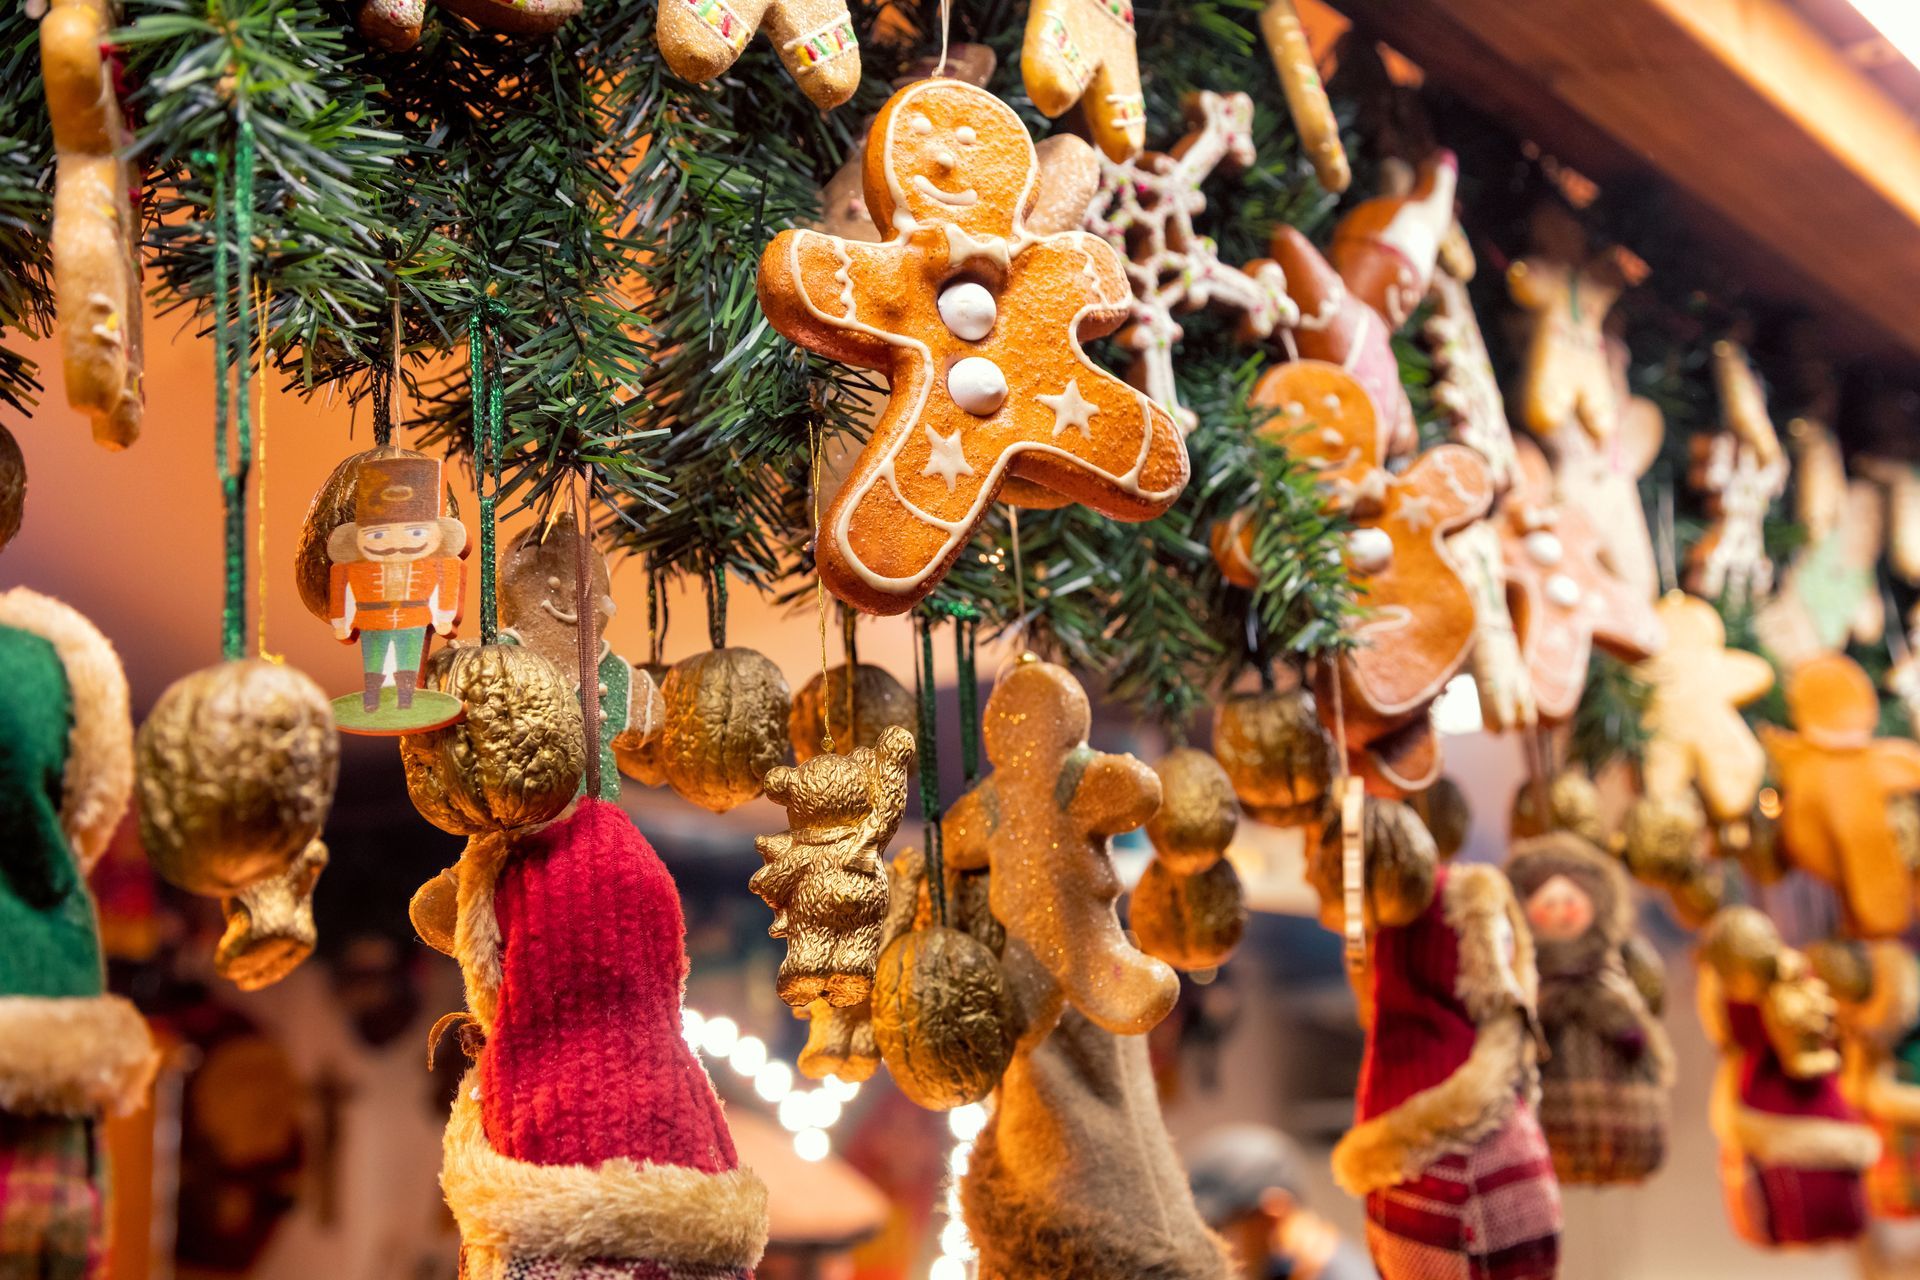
<point>1188,908</point>
<point>1277,756</point>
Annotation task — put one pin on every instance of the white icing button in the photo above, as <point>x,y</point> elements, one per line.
<point>965,134</point>
<point>977,385</point>
<point>919,123</point>
<point>1563,591</point>
<point>968,310</point>
<point>1370,550</point>
<point>1543,548</point>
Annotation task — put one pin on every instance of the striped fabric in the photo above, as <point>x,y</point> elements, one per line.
<point>52,1202</point>
<point>1491,1213</point>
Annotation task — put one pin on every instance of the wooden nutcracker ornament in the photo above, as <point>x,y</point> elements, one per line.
<point>1697,735</point>
<point>397,572</point>
<point>701,39</point>
<point>1836,780</point>
<point>976,324</point>
<point>1082,51</point>
<point>96,227</point>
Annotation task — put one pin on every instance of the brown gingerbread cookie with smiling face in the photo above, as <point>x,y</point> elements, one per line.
<point>976,323</point>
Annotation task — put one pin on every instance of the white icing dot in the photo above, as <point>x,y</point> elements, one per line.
<point>1563,591</point>
<point>1295,408</point>
<point>968,310</point>
<point>919,123</point>
<point>1331,401</point>
<point>1544,548</point>
<point>945,159</point>
<point>977,385</point>
<point>966,135</point>
<point>1371,550</point>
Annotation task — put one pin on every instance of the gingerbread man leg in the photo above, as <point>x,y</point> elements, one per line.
<point>1083,51</point>
<point>701,39</point>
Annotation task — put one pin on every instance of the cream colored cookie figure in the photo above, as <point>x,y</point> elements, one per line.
<point>701,39</point>
<point>1567,292</point>
<point>96,232</point>
<point>1083,51</point>
<point>1698,737</point>
<point>1145,208</point>
<point>1313,117</point>
<point>976,323</point>
<point>1743,470</point>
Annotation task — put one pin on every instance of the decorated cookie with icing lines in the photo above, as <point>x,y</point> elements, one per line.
<point>1145,209</point>
<point>1696,733</point>
<point>1742,470</point>
<point>950,177</point>
<point>1563,598</point>
<point>1466,390</point>
<point>1083,51</point>
<point>701,39</point>
<point>1602,477</point>
<point>1313,117</point>
<point>1419,616</point>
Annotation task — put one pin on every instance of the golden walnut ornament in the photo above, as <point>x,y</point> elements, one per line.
<point>1198,813</point>
<point>13,486</point>
<point>270,927</point>
<point>943,1017</point>
<point>332,506</point>
<point>518,756</point>
<point>879,703</point>
<point>1276,753</point>
<point>726,726</point>
<point>235,766</point>
<point>1190,921</point>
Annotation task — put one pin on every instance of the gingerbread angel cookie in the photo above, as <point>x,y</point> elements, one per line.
<point>96,230</point>
<point>1697,734</point>
<point>1563,596</point>
<point>701,39</point>
<point>1419,619</point>
<point>1602,478</point>
<point>1742,469</point>
<point>1145,209</point>
<point>1083,51</point>
<point>977,324</point>
<point>1836,779</point>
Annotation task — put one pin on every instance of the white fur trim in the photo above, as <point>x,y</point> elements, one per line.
<point>74,1056</point>
<point>621,1209</point>
<point>476,932</point>
<point>99,774</point>
<point>1795,1142</point>
<point>1497,968</point>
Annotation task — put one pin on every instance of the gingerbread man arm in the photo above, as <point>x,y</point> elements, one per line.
<point>808,283</point>
<point>1116,793</point>
<point>1456,481</point>
<point>701,39</point>
<point>1896,765</point>
<point>967,825</point>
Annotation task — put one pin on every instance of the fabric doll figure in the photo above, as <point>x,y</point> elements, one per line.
<point>1877,986</point>
<point>1792,1152</point>
<point>1609,1070</point>
<point>1445,1148</point>
<point>69,1052</point>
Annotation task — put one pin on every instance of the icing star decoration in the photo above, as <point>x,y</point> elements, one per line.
<point>1070,410</point>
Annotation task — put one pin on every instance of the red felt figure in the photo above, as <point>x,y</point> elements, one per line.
<point>1563,596</point>
<point>1791,1150</point>
<point>1835,781</point>
<point>1419,620</point>
<point>1877,987</point>
<point>976,323</point>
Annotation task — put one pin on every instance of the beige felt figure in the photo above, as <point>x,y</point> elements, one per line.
<point>823,876</point>
<point>1565,292</point>
<point>1083,51</point>
<point>540,608</point>
<point>1145,209</point>
<point>1836,779</point>
<point>1602,478</point>
<point>1743,470</point>
<point>396,24</point>
<point>1313,117</point>
<point>1041,821</point>
<point>96,230</point>
<point>701,39</point>
<point>976,323</point>
<point>1697,734</point>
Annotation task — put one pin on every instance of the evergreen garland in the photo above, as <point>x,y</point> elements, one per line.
<point>26,207</point>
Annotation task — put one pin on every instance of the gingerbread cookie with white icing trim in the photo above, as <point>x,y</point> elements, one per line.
<point>1083,51</point>
<point>977,324</point>
<point>701,39</point>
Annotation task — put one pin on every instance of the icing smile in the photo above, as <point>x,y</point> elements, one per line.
<point>570,617</point>
<point>958,199</point>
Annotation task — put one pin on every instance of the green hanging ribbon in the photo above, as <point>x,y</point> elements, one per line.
<point>929,753</point>
<point>717,607</point>
<point>966,633</point>
<point>233,337</point>
<point>489,430</point>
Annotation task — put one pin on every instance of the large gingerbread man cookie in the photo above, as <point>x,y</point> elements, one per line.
<point>1563,596</point>
<point>700,39</point>
<point>1697,735</point>
<point>1836,779</point>
<point>977,324</point>
<point>1083,51</point>
<point>1419,614</point>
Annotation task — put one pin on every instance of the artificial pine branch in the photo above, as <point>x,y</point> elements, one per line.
<point>26,206</point>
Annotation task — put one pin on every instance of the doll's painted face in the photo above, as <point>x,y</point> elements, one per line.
<point>948,152</point>
<point>1799,1013</point>
<point>1559,910</point>
<point>399,543</point>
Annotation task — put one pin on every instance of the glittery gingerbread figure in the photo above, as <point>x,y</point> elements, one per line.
<point>977,324</point>
<point>701,39</point>
<point>1835,781</point>
<point>1041,822</point>
<point>1145,209</point>
<point>1567,290</point>
<point>823,876</point>
<point>1083,51</point>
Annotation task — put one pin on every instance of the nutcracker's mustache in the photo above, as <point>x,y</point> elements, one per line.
<point>413,550</point>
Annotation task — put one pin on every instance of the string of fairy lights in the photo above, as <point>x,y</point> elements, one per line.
<point>810,1114</point>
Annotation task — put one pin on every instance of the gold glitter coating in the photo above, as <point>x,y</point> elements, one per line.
<point>726,726</point>
<point>840,1042</point>
<point>235,768</point>
<point>1190,921</point>
<point>1198,812</point>
<point>942,1017</point>
<point>879,703</point>
<point>518,756</point>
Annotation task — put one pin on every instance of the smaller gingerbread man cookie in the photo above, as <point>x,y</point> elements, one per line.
<point>701,39</point>
<point>1566,292</point>
<point>977,324</point>
<point>1083,51</point>
<point>1697,733</point>
<point>1836,779</point>
<point>1419,614</point>
<point>1564,598</point>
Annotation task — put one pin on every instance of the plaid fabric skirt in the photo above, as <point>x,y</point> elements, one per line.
<point>1490,1213</point>
<point>1779,1204</point>
<point>1893,1184</point>
<point>490,1264</point>
<point>52,1198</point>
<point>1604,1132</point>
